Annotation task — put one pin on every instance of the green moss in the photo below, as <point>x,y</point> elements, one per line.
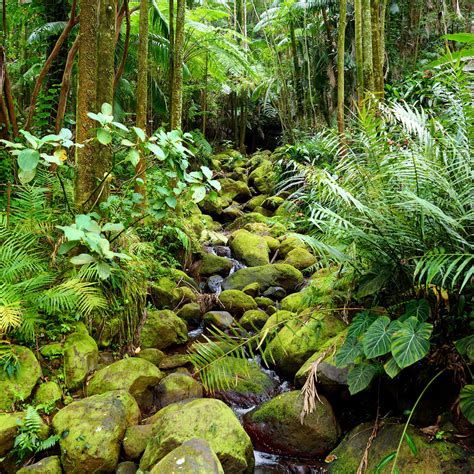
<point>176,387</point>
<point>253,319</point>
<point>52,351</point>
<point>214,265</point>
<point>163,329</point>
<point>289,244</point>
<point>49,465</point>
<point>155,356</point>
<point>293,302</point>
<point>252,249</point>
<point>263,302</point>
<point>262,177</point>
<point>300,258</point>
<point>48,392</point>
<point>135,440</point>
<point>237,302</point>
<point>255,202</point>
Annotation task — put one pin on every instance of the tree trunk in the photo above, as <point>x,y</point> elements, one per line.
<point>377,49</point>
<point>341,39</point>
<point>297,68</point>
<point>178,57</point>
<point>367,45</point>
<point>142,93</point>
<point>171,55</point>
<point>359,51</point>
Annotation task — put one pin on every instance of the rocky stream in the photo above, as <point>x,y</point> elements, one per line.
<point>151,413</point>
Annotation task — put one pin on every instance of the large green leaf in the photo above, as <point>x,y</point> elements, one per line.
<point>28,159</point>
<point>418,308</point>
<point>360,376</point>
<point>104,136</point>
<point>360,323</point>
<point>377,340</point>
<point>467,402</point>
<point>348,353</point>
<point>411,342</point>
<point>391,368</point>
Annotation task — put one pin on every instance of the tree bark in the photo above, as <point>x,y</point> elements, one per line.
<point>126,46</point>
<point>377,57</point>
<point>359,51</point>
<point>341,39</point>
<point>367,45</point>
<point>178,57</point>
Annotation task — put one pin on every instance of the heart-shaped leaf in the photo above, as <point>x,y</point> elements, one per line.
<point>28,159</point>
<point>104,136</point>
<point>377,340</point>
<point>466,402</point>
<point>348,353</point>
<point>360,376</point>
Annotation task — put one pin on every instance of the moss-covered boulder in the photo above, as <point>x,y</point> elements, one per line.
<point>300,258</point>
<point>253,289</point>
<point>54,350</point>
<point>277,320</point>
<point>174,361</point>
<point>432,456</point>
<point>252,249</point>
<point>263,302</point>
<point>91,431</point>
<point>81,356</point>
<point>203,418</point>
<point>135,440</point>
<point>273,244</point>
<point>279,274</point>
<point>163,329</point>
<point>248,218</point>
<point>176,387</point>
<point>8,430</point>
<point>262,177</point>
<point>126,467</point>
<point>246,383</point>
<point>273,203</point>
<point>289,244</point>
<point>277,427</point>
<point>20,386</point>
<point>192,457</point>
<point>234,190</point>
<point>253,319</point>
<point>220,319</point>
<point>300,338</point>
<point>237,302</point>
<point>232,212</point>
<point>133,374</point>
<point>190,313</point>
<point>214,265</point>
<point>294,302</point>
<point>155,356</point>
<point>48,393</point>
<point>255,202</point>
<point>49,465</point>
<point>328,374</point>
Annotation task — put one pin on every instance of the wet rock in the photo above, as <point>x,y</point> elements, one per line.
<point>300,258</point>
<point>432,456</point>
<point>176,387</point>
<point>289,244</point>
<point>155,356</point>
<point>49,465</point>
<point>276,427</point>
<point>204,418</point>
<point>133,374</point>
<point>279,274</point>
<point>252,289</point>
<point>92,430</point>
<point>275,293</point>
<point>163,329</point>
<point>300,338</point>
<point>237,302</point>
<point>252,249</point>
<point>20,386</point>
<point>135,440</point>
<point>214,283</point>
<point>222,251</point>
<point>192,457</point>
<point>214,265</point>
<point>48,393</point>
<point>253,320</point>
<point>220,319</point>
<point>174,361</point>
<point>126,467</point>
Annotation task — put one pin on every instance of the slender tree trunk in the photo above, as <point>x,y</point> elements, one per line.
<point>177,86</point>
<point>126,46</point>
<point>341,39</point>
<point>171,55</point>
<point>377,49</point>
<point>359,51</point>
<point>142,93</point>
<point>297,68</point>
<point>243,123</point>
<point>204,97</point>
<point>367,45</point>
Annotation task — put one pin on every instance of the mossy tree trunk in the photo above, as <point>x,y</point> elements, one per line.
<point>142,93</point>
<point>178,57</point>
<point>340,65</point>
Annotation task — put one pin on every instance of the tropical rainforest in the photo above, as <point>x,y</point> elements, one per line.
<point>236,236</point>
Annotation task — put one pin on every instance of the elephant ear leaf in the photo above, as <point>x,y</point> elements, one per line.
<point>466,402</point>
<point>411,342</point>
<point>360,376</point>
<point>377,339</point>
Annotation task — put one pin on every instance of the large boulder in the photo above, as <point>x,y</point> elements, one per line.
<point>214,265</point>
<point>19,386</point>
<point>203,418</point>
<point>277,426</point>
<point>261,178</point>
<point>8,430</point>
<point>91,431</point>
<point>192,457</point>
<point>176,387</point>
<point>81,356</point>
<point>237,302</point>
<point>163,329</point>
<point>167,294</point>
<point>221,319</point>
<point>300,338</point>
<point>253,320</point>
<point>49,465</point>
<point>280,274</point>
<point>155,356</point>
<point>135,440</point>
<point>48,393</point>
<point>300,258</point>
<point>252,249</point>
<point>234,190</point>
<point>432,456</point>
<point>289,244</point>
<point>133,374</point>
<point>191,313</point>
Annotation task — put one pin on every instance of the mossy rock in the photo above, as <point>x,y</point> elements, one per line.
<point>214,265</point>
<point>135,440</point>
<point>232,212</point>
<point>155,356</point>
<point>289,244</point>
<point>300,258</point>
<point>163,329</point>
<point>250,248</point>
<point>204,418</point>
<point>53,350</point>
<point>272,203</point>
<point>234,190</point>
<point>221,319</point>
<point>48,393</point>
<point>91,431</point>
<point>263,302</point>
<point>328,374</point>
<point>300,338</point>
<point>167,294</point>
<point>262,177</point>
<point>294,302</point>
<point>248,218</point>
<point>9,430</point>
<point>253,289</point>
<point>258,228</point>
<point>133,374</point>
<point>253,320</point>
<point>255,202</point>
<point>49,465</point>
<point>279,274</point>
<point>20,386</point>
<point>176,387</point>
<point>276,426</point>
<point>213,237</point>
<point>432,456</point>
<point>192,457</point>
<point>237,302</point>
<point>126,467</point>
<point>273,244</point>
<point>263,211</point>
<point>277,320</point>
<point>173,361</point>
<point>191,313</point>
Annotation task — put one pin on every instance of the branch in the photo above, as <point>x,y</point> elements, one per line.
<point>73,20</point>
